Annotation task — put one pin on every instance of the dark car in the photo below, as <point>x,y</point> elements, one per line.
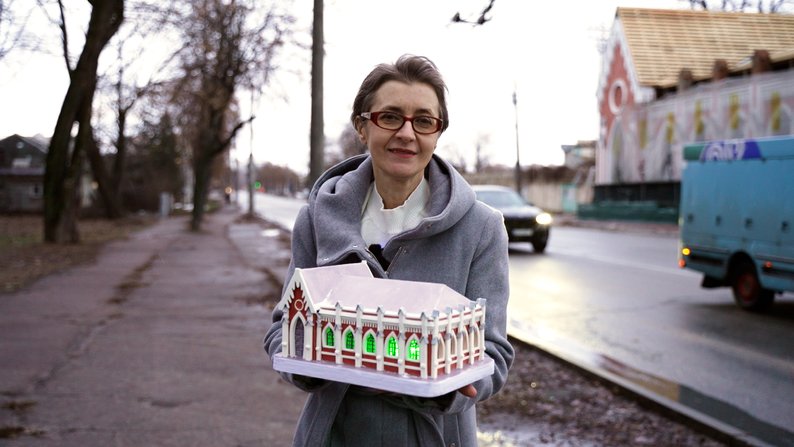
<point>524,221</point>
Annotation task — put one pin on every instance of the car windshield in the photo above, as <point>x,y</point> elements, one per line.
<point>501,199</point>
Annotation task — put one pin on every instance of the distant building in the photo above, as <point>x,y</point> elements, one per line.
<point>580,154</point>
<point>22,164</point>
<point>672,77</point>
<point>580,158</point>
<point>22,161</point>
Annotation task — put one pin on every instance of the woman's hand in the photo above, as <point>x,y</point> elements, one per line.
<point>468,391</point>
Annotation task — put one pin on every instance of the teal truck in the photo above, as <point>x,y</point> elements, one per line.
<point>737,217</point>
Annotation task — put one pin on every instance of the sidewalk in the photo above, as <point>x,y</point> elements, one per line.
<point>158,343</point>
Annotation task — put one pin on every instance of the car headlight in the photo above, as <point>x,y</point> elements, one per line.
<point>543,219</point>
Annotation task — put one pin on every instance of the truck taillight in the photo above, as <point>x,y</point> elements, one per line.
<point>686,251</point>
<point>767,266</point>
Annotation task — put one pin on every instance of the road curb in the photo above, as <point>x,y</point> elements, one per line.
<point>708,425</point>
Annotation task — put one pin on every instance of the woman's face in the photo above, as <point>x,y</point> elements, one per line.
<point>400,155</point>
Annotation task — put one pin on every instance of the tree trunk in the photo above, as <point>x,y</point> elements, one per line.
<point>210,145</point>
<point>121,157</point>
<point>104,184</point>
<point>62,172</point>
<point>87,142</point>
<point>67,230</point>
<point>202,167</point>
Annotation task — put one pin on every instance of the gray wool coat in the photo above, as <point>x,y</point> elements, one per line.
<point>462,243</point>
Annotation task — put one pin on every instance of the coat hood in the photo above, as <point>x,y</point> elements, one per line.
<point>337,197</point>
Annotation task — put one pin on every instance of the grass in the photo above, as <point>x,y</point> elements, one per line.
<point>24,257</point>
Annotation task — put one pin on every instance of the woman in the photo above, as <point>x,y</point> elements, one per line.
<point>411,216</point>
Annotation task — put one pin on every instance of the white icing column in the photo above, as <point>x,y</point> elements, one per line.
<point>423,348</point>
<point>308,333</point>
<point>338,333</point>
<point>449,337</point>
<point>358,335</point>
<point>401,342</point>
<point>379,344</point>
<point>462,348</point>
<point>434,347</point>
<point>474,337</point>
<point>318,338</point>
<point>481,302</point>
<point>286,334</point>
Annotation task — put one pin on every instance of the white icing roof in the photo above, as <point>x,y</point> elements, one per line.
<point>353,284</point>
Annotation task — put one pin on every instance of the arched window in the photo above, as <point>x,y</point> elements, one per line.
<point>391,347</point>
<point>329,337</point>
<point>369,346</point>
<point>350,340</point>
<point>297,329</point>
<point>413,350</point>
<point>441,350</point>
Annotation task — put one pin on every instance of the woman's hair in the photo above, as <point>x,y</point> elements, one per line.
<point>407,69</point>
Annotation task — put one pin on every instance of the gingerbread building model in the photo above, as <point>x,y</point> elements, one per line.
<point>341,323</point>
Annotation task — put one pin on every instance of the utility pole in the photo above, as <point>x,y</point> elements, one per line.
<point>317,136</point>
<point>518,158</point>
<point>251,184</point>
<point>251,163</point>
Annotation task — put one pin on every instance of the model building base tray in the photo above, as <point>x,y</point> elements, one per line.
<point>386,381</point>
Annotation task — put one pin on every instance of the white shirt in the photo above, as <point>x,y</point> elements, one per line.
<point>378,225</point>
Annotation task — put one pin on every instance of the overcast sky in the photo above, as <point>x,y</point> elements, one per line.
<point>545,51</point>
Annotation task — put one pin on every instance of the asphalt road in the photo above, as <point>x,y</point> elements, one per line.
<point>619,299</point>
<point>616,303</point>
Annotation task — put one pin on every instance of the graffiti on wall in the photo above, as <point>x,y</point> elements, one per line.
<point>645,141</point>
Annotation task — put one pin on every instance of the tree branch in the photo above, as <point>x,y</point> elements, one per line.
<point>225,143</point>
<point>480,20</point>
<point>64,38</point>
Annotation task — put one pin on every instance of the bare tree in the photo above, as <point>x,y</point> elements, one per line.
<point>10,29</point>
<point>64,157</point>
<point>761,6</point>
<point>480,20</point>
<point>227,46</point>
<point>482,160</point>
<point>123,89</point>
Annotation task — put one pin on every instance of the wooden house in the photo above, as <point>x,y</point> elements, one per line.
<point>22,161</point>
<point>673,77</point>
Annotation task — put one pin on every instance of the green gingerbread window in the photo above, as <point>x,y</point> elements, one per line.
<point>329,336</point>
<point>370,346</point>
<point>391,347</point>
<point>413,350</point>
<point>350,341</point>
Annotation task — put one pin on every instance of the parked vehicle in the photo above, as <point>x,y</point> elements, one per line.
<point>737,217</point>
<point>524,221</point>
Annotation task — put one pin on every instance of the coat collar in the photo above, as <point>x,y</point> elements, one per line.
<point>338,195</point>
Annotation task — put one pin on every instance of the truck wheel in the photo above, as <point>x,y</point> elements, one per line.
<point>747,290</point>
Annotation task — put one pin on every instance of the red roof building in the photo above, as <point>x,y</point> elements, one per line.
<point>672,77</point>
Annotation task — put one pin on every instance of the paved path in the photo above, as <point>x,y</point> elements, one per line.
<point>158,343</point>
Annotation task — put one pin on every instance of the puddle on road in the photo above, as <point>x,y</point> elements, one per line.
<point>514,432</point>
<point>271,232</point>
<point>737,423</point>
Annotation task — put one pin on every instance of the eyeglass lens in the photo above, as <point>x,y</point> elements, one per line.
<point>394,121</point>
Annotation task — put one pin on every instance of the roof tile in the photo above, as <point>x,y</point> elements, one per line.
<point>662,42</point>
